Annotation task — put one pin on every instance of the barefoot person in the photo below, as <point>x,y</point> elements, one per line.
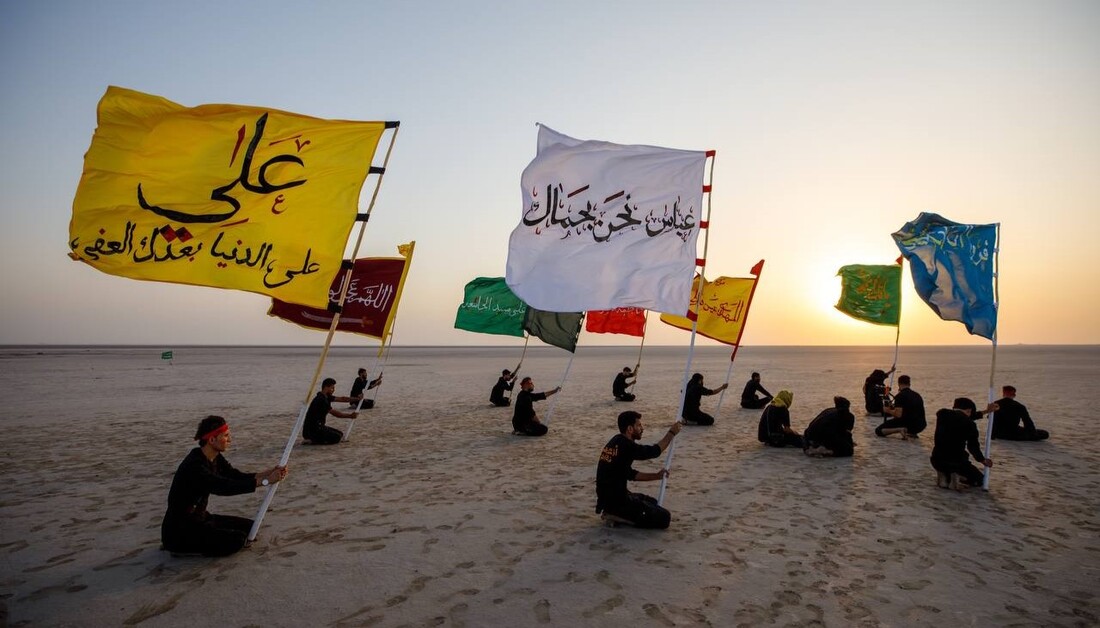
<point>615,469</point>
<point>907,412</point>
<point>622,382</point>
<point>774,428</point>
<point>315,430</point>
<point>524,419</point>
<point>187,527</point>
<point>693,400</point>
<point>956,434</point>
<point>830,433</point>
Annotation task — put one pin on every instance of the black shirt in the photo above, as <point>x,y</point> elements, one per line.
<point>912,409</point>
<point>1007,419</point>
<point>772,421</point>
<point>694,397</point>
<point>829,425</point>
<point>316,414</point>
<point>748,395</point>
<point>618,387</point>
<point>956,434</point>
<point>614,469</point>
<point>196,479</point>
<point>502,385</point>
<point>525,408</point>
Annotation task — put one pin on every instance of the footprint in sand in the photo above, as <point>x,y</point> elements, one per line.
<point>542,611</point>
<point>152,610</point>
<point>914,585</point>
<point>654,612</point>
<point>606,606</point>
<point>604,578</point>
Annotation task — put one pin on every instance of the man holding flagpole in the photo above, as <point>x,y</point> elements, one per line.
<point>524,419</point>
<point>314,430</point>
<point>615,469</point>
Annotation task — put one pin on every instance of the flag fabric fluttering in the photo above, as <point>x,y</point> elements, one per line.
<point>370,305</point>
<point>229,196</point>
<point>725,303</point>
<point>489,307</point>
<point>871,293</point>
<point>560,329</point>
<point>629,321</point>
<point>606,225</point>
<point>952,267</point>
<point>166,355</point>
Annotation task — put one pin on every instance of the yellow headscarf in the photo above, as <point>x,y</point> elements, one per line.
<point>783,399</point>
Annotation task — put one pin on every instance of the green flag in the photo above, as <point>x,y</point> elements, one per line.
<point>871,293</point>
<point>489,307</point>
<point>554,328</point>
<point>166,355</point>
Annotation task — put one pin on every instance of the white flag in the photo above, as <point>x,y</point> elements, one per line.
<point>606,225</point>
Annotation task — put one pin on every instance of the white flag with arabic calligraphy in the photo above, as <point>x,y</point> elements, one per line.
<point>607,225</point>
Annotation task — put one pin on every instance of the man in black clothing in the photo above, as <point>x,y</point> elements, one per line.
<point>360,384</point>
<point>774,428</point>
<point>830,433</point>
<point>524,419</point>
<point>875,390</point>
<point>187,527</point>
<point>907,412</point>
<point>1006,423</point>
<point>748,395</point>
<point>619,386</point>
<point>615,469</point>
<point>693,399</point>
<point>507,381</point>
<point>315,430</point>
<point>956,434</point>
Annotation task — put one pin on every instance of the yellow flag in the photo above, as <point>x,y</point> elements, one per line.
<point>725,305</point>
<point>237,197</point>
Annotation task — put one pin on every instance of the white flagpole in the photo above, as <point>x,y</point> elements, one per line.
<point>378,367</point>
<point>526,340</point>
<point>554,401</point>
<point>285,458</point>
<point>729,372</point>
<point>694,329</point>
<point>993,363</point>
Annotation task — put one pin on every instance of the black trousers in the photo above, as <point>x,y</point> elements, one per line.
<point>531,429</point>
<point>326,436</point>
<point>889,423</point>
<point>502,402</point>
<point>972,474</point>
<point>1019,433</point>
<point>755,405</point>
<point>699,418</point>
<point>626,397</point>
<point>783,439</point>
<point>217,535</point>
<point>643,511</point>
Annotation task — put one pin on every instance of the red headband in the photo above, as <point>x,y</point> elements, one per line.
<point>224,427</point>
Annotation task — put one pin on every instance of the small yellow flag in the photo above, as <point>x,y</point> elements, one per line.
<point>229,196</point>
<point>725,304</point>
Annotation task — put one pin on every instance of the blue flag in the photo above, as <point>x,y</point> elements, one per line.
<point>952,266</point>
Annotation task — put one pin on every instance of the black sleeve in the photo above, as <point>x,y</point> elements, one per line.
<point>227,480</point>
<point>972,444</point>
<point>646,452</point>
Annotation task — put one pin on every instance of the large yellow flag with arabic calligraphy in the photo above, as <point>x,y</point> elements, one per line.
<point>725,305</point>
<point>246,198</point>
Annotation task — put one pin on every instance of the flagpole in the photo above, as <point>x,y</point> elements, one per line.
<point>993,362</point>
<point>526,340</point>
<point>694,327</point>
<point>379,366</point>
<point>344,284</point>
<point>897,336</point>
<point>638,364</point>
<point>755,271</point>
<point>554,401</point>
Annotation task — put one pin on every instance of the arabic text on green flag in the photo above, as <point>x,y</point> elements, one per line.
<point>871,293</point>
<point>490,307</point>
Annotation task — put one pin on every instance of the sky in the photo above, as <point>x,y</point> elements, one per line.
<point>834,124</point>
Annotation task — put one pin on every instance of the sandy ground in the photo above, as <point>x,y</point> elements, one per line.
<point>434,514</point>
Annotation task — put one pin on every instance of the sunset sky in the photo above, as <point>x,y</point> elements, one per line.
<point>834,124</point>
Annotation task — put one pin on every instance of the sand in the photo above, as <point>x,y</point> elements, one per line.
<point>434,514</point>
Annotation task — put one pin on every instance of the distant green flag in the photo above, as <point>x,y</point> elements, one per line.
<point>166,355</point>
<point>871,293</point>
<point>554,328</point>
<point>489,307</point>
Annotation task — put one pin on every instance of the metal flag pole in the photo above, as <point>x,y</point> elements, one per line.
<point>526,340</point>
<point>345,282</point>
<point>993,362</point>
<point>694,327</point>
<point>755,271</point>
<point>638,364</point>
<point>564,377</point>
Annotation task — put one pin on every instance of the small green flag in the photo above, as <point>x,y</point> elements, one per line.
<point>554,328</point>
<point>871,293</point>
<point>166,355</point>
<point>490,307</point>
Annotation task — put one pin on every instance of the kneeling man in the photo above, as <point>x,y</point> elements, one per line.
<point>615,469</point>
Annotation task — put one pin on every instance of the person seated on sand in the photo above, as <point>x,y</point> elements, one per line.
<point>361,384</point>
<point>619,386</point>
<point>830,433</point>
<point>1006,423</point>
<point>506,381</point>
<point>615,468</point>
<point>524,420</point>
<point>907,412</point>
<point>693,400</point>
<point>187,527</point>
<point>748,395</point>
<point>314,430</point>
<point>774,429</point>
<point>956,434</point>
<point>875,390</point>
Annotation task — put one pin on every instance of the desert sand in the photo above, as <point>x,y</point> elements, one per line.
<point>435,514</point>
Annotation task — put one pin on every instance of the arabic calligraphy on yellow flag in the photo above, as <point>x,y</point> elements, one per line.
<point>238,197</point>
<point>725,304</point>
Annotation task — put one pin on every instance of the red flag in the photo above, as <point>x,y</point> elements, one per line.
<point>621,320</point>
<point>371,301</point>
